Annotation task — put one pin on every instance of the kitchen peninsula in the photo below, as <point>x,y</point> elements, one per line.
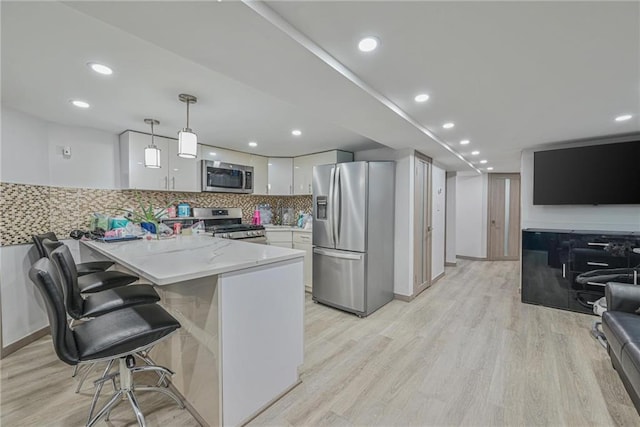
<point>241,309</point>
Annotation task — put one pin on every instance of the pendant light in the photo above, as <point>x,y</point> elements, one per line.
<point>152,152</point>
<point>187,140</point>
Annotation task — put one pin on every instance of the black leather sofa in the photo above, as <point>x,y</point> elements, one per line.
<point>621,326</point>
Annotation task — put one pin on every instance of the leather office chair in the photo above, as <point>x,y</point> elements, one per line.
<point>113,337</point>
<point>92,282</point>
<point>83,268</point>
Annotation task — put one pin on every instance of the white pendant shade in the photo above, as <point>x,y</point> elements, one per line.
<point>187,144</point>
<point>152,157</point>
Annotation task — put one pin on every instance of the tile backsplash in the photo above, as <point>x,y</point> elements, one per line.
<point>34,209</point>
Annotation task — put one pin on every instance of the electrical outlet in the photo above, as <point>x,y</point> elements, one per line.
<point>66,152</point>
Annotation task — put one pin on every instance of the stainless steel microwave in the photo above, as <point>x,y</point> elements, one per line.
<point>220,177</point>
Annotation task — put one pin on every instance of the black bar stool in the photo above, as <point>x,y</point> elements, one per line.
<point>113,337</point>
<point>92,282</point>
<point>98,303</point>
<point>83,268</point>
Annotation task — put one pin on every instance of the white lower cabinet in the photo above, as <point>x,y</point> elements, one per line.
<point>303,241</point>
<point>280,237</point>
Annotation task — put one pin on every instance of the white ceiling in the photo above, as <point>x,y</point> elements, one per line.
<point>511,75</point>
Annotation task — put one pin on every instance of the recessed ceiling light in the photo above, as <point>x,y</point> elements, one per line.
<point>623,118</point>
<point>368,44</point>
<point>490,168</point>
<point>423,97</point>
<point>483,161</point>
<point>475,153</point>
<point>253,144</point>
<point>80,104</point>
<point>296,132</point>
<point>212,153</point>
<point>448,125</point>
<point>464,142</point>
<point>100,69</point>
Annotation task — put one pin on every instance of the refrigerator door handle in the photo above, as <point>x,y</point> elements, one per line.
<point>337,254</point>
<point>338,205</point>
<point>330,207</point>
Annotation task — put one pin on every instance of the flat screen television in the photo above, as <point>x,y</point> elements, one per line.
<point>607,174</point>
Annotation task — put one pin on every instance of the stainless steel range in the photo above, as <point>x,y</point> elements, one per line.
<point>225,223</point>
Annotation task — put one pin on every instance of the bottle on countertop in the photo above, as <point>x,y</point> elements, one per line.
<point>184,210</point>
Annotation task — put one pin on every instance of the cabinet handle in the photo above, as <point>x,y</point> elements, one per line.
<point>564,271</point>
<point>598,264</point>
<point>173,180</point>
<point>309,188</point>
<point>291,189</point>
<point>166,182</point>
<point>266,189</point>
<point>597,244</point>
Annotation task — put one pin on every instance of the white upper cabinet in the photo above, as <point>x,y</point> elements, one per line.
<point>280,176</point>
<point>226,156</point>
<point>303,168</point>
<point>184,174</point>
<point>260,174</point>
<point>175,173</point>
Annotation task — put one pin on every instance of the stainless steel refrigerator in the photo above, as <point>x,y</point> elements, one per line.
<point>353,218</point>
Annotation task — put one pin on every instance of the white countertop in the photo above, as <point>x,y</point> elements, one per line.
<point>182,258</point>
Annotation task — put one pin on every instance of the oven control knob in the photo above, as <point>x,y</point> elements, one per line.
<point>251,233</point>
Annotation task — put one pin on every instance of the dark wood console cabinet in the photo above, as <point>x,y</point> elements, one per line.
<point>552,259</point>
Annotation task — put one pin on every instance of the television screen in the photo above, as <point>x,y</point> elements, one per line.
<point>592,175</point>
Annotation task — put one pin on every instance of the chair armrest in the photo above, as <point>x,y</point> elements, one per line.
<point>622,297</point>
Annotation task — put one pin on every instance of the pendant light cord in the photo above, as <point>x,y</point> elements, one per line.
<point>152,135</point>
<point>188,102</point>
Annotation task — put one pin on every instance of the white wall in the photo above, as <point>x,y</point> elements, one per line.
<point>568,217</point>
<point>25,152</point>
<point>438,202</point>
<point>450,233</point>
<point>32,153</point>
<point>23,310</point>
<point>471,215</point>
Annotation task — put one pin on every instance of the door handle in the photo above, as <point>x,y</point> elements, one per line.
<point>493,221</point>
<point>337,254</point>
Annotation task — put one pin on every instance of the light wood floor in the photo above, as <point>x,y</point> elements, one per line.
<point>465,352</point>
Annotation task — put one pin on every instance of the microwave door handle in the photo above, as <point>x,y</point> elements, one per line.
<point>330,204</point>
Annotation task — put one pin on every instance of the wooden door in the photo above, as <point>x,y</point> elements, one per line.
<point>422,226</point>
<point>503,236</point>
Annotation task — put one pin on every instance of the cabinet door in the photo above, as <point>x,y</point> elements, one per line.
<point>546,269</point>
<point>260,174</point>
<point>135,175</point>
<point>210,152</point>
<point>280,176</point>
<point>308,263</point>
<point>302,171</point>
<point>281,244</point>
<point>183,173</point>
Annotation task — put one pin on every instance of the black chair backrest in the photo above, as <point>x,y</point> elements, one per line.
<point>49,246</point>
<point>43,275</point>
<point>62,258</point>
<point>38,238</point>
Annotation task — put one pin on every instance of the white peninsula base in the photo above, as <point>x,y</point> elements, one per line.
<point>241,340</point>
